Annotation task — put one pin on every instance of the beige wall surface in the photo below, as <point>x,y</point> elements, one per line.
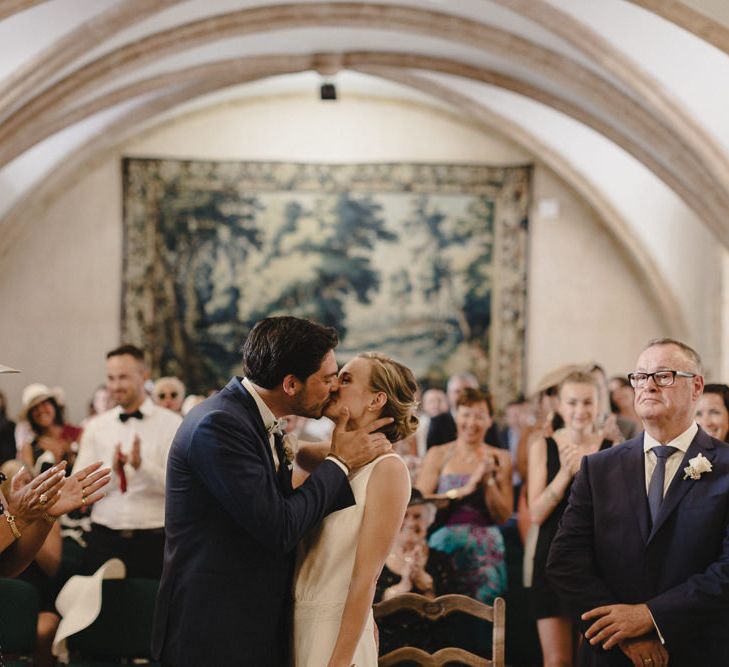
<point>61,292</point>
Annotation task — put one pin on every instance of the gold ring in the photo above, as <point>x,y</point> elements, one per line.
<point>83,500</point>
<point>43,499</point>
<point>83,493</point>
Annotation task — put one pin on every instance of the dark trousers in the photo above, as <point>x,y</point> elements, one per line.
<point>141,551</point>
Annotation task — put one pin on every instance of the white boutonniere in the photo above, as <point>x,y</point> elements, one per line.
<point>697,466</point>
<point>290,445</point>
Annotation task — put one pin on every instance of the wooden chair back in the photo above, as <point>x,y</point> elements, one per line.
<point>436,609</point>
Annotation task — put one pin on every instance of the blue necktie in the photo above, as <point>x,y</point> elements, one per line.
<point>655,488</point>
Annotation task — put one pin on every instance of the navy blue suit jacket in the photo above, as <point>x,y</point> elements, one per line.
<point>231,529</point>
<point>607,552</point>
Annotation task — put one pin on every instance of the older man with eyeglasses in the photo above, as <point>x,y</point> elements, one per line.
<point>642,554</point>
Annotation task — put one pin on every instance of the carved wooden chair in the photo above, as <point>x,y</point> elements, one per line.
<point>436,609</point>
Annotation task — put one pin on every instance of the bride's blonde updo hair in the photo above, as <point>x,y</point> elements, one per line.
<point>398,383</point>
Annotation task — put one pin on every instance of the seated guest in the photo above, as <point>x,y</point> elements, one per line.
<point>41,573</point>
<point>7,433</point>
<point>133,439</point>
<point>553,463</point>
<point>412,566</point>
<point>169,392</point>
<point>100,402</point>
<point>442,427</point>
<point>476,478</point>
<point>712,411</point>
<point>191,400</point>
<point>433,403</point>
<point>53,440</point>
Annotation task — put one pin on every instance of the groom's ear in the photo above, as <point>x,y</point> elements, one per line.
<point>291,385</point>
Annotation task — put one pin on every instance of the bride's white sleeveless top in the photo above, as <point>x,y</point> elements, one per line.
<point>323,572</point>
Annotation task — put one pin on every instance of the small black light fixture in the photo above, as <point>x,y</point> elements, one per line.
<point>328,92</point>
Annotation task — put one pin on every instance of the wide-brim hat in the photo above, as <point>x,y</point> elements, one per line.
<point>34,394</point>
<point>79,602</point>
<point>555,376</point>
<point>7,369</point>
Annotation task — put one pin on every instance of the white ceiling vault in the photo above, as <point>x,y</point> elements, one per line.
<point>626,99</point>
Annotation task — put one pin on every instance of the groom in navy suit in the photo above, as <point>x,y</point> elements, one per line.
<point>642,553</point>
<point>232,519</point>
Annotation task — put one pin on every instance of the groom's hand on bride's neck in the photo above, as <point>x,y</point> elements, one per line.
<point>357,448</point>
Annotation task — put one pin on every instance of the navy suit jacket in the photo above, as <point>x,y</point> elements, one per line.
<point>607,552</point>
<point>231,526</point>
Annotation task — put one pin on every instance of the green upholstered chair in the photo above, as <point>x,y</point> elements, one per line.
<point>122,633</point>
<point>18,620</point>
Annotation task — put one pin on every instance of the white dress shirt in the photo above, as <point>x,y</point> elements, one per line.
<point>143,504</point>
<point>269,419</point>
<point>673,462</point>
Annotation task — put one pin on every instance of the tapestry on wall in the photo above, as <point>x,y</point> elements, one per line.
<point>424,262</point>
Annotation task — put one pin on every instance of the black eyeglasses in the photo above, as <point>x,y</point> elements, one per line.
<point>162,395</point>
<point>661,378</point>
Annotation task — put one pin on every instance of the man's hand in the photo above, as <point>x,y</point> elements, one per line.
<point>617,622</point>
<point>645,652</point>
<point>357,448</point>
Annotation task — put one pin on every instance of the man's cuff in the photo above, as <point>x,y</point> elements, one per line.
<point>339,462</point>
<point>655,625</point>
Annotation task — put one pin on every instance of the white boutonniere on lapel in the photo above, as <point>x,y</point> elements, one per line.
<point>290,445</point>
<point>697,466</point>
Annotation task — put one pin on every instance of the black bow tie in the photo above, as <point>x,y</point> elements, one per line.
<point>126,416</point>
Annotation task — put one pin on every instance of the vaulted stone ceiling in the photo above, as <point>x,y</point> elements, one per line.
<point>618,97</point>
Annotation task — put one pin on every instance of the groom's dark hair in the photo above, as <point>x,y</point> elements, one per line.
<point>279,346</point>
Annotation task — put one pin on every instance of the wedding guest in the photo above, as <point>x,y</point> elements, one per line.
<point>133,439</point>
<point>31,510</point>
<point>100,402</point>
<point>169,392</point>
<point>191,400</point>
<point>613,427</point>
<point>553,463</point>
<point>7,433</point>
<point>412,566</point>
<point>53,440</point>
<point>476,478</point>
<point>434,402</point>
<point>442,427</point>
<point>712,411</point>
<point>41,573</point>
<point>622,399</point>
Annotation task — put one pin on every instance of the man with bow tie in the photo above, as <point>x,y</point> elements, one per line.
<point>133,439</point>
<point>642,553</point>
<point>233,519</point>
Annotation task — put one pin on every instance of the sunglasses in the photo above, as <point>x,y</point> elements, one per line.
<point>162,395</point>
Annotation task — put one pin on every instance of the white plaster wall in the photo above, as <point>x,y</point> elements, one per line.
<point>61,285</point>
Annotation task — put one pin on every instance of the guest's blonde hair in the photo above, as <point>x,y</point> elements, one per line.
<point>578,377</point>
<point>398,383</point>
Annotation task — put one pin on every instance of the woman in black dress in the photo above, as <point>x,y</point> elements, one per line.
<point>553,463</point>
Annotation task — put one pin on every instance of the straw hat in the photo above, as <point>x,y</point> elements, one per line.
<point>7,369</point>
<point>34,394</point>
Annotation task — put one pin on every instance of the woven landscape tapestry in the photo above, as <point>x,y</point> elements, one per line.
<point>424,262</point>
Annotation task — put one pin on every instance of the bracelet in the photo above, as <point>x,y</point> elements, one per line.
<point>341,460</point>
<point>11,522</point>
<point>49,519</point>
